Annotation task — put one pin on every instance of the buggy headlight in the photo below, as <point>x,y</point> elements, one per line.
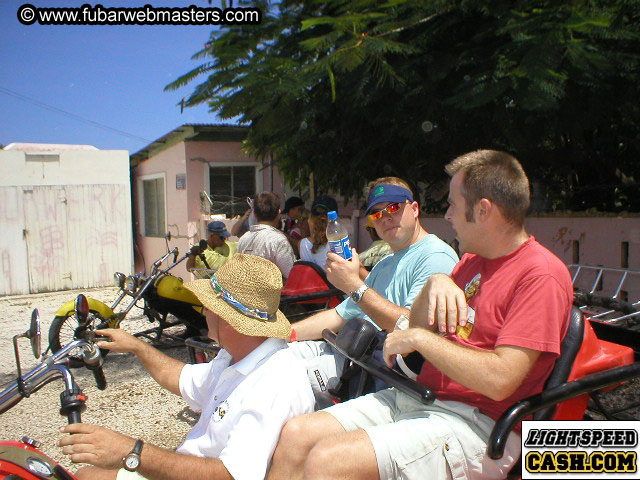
<point>130,284</point>
<point>118,279</point>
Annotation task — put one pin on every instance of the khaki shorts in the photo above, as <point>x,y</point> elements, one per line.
<point>447,439</point>
<point>124,474</point>
<point>324,367</point>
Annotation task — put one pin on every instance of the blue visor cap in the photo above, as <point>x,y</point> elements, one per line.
<point>218,228</point>
<point>387,193</point>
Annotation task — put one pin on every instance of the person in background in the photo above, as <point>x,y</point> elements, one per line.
<point>376,251</point>
<point>246,393</point>
<point>241,226</point>
<point>315,247</point>
<point>219,250</point>
<point>265,239</point>
<point>293,210</point>
<point>294,222</point>
<point>244,223</point>
<point>323,205</point>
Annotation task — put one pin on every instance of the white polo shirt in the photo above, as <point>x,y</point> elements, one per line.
<point>244,406</point>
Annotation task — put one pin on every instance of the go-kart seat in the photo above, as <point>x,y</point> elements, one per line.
<point>564,363</point>
<point>307,284</point>
<point>582,354</point>
<point>561,370</point>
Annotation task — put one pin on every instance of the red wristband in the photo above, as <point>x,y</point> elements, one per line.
<point>292,338</point>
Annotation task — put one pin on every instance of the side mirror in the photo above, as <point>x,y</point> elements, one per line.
<point>82,309</point>
<point>168,236</point>
<point>34,333</point>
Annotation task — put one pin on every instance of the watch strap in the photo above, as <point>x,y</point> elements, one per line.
<point>357,295</point>
<point>137,447</point>
<point>135,452</point>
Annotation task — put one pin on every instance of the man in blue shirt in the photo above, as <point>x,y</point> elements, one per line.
<point>387,293</point>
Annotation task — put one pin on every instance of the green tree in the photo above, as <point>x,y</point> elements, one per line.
<point>352,90</point>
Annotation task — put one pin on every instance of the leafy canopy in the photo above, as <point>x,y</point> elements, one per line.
<point>354,90</point>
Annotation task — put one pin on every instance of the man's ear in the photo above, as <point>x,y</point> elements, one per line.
<point>483,210</point>
<point>416,208</point>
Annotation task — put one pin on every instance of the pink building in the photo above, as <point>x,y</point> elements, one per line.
<point>193,172</point>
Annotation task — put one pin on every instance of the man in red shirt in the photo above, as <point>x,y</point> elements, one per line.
<point>490,334</point>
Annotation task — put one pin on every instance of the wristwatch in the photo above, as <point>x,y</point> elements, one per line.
<point>132,460</point>
<point>356,295</point>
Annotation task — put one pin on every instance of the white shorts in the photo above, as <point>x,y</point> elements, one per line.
<point>447,439</point>
<point>324,367</point>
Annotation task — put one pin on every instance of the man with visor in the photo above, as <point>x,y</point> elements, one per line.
<point>386,294</point>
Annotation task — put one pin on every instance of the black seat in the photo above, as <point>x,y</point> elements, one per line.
<point>561,370</point>
<point>568,352</point>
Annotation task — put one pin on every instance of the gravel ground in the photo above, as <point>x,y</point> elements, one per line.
<point>132,404</point>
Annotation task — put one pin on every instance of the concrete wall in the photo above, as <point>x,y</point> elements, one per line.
<point>65,217</point>
<point>599,241</point>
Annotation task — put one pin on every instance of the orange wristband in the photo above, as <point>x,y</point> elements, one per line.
<point>292,338</point>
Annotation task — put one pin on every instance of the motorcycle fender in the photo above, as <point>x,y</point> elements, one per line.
<point>14,461</point>
<point>95,305</point>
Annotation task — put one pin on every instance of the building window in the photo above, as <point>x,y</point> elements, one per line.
<point>153,207</point>
<point>229,186</point>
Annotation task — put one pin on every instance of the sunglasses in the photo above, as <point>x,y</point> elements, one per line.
<point>390,209</point>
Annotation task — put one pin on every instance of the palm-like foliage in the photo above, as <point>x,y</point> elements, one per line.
<point>351,90</point>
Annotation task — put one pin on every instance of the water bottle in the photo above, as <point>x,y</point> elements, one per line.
<point>338,237</point>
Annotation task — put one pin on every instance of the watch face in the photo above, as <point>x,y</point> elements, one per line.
<point>132,462</point>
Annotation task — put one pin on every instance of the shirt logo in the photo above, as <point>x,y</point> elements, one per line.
<point>220,411</point>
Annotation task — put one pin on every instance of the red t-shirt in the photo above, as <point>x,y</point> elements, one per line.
<point>522,299</point>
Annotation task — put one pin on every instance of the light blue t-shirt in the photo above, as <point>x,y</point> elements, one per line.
<point>400,277</point>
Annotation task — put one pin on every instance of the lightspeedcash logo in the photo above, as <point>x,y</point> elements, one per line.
<point>579,449</point>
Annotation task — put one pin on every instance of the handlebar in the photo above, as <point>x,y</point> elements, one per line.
<point>101,380</point>
<point>386,374</point>
<point>57,367</point>
<point>581,297</point>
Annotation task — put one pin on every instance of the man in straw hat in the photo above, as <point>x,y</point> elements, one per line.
<point>246,394</point>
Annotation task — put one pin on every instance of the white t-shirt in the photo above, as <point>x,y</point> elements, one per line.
<point>244,406</point>
<point>319,258</point>
<point>270,243</point>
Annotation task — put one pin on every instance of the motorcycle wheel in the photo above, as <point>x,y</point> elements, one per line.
<point>62,332</point>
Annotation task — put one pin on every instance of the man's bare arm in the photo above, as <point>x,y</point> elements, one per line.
<point>381,310</point>
<point>496,374</point>
<point>345,275</point>
<point>105,449</point>
<point>164,369</point>
<point>311,328</point>
<point>160,464</point>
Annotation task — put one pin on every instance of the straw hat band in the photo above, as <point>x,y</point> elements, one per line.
<point>227,297</point>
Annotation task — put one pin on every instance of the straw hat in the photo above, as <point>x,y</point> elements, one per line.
<point>245,292</point>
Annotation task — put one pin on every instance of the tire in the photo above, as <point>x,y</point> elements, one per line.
<point>62,332</point>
